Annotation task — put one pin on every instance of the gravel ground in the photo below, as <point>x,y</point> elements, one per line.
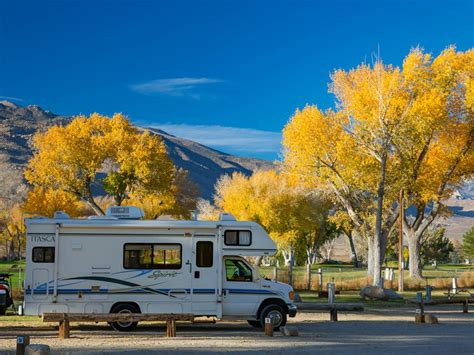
<point>376,331</point>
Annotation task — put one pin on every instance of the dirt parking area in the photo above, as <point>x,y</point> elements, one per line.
<point>376,331</point>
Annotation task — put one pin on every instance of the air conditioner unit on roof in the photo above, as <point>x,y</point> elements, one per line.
<point>125,212</point>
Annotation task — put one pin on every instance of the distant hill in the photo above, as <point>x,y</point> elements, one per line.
<point>205,165</point>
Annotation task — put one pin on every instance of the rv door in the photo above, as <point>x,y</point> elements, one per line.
<point>204,275</point>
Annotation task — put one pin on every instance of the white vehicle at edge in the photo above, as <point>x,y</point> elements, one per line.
<point>119,263</point>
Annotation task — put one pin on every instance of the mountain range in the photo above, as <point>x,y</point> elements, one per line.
<point>205,165</point>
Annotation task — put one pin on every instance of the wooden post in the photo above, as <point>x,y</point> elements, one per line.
<point>64,329</point>
<point>269,327</point>
<point>171,328</point>
<point>308,273</point>
<point>400,244</point>
<point>22,341</point>
<point>275,273</point>
<point>465,306</point>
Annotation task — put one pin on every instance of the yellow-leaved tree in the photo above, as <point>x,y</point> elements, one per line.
<point>389,125</point>
<point>108,154</point>
<point>287,212</point>
<point>435,151</point>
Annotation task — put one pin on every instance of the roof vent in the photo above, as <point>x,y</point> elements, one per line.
<point>61,215</point>
<point>224,216</point>
<point>125,212</point>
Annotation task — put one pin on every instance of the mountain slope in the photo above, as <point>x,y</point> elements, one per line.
<point>205,165</point>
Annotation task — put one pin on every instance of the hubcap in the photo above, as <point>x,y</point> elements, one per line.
<point>125,324</point>
<point>276,317</point>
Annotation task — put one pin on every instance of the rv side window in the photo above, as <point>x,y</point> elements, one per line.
<point>43,255</point>
<point>152,256</point>
<point>234,237</point>
<point>237,270</point>
<point>204,254</point>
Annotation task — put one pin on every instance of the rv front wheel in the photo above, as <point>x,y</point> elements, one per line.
<point>124,308</point>
<point>276,312</point>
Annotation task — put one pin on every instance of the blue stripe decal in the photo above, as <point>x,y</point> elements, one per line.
<point>42,291</point>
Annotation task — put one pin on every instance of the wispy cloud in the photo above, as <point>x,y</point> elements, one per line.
<point>229,139</point>
<point>174,86</point>
<point>10,98</point>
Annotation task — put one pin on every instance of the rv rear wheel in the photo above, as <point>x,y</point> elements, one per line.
<point>124,308</point>
<point>276,312</point>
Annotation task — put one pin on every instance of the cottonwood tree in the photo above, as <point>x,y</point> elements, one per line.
<point>135,164</point>
<point>285,211</point>
<point>388,119</point>
<point>12,193</point>
<point>394,128</point>
<point>436,148</point>
<point>321,150</point>
<point>46,201</point>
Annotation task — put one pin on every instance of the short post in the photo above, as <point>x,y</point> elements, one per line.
<point>320,283</point>
<point>465,306</point>
<point>420,312</point>
<point>22,341</point>
<point>64,329</point>
<point>331,293</point>
<point>454,286</point>
<point>171,328</point>
<point>269,326</point>
<point>308,272</point>
<point>391,277</point>
<point>275,273</point>
<point>333,314</point>
<point>419,315</point>
<point>429,288</point>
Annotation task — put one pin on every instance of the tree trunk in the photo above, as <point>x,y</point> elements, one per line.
<point>370,257</point>
<point>289,256</point>
<point>379,235</point>
<point>414,249</point>
<point>353,250</point>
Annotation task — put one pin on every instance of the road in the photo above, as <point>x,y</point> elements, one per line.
<point>376,331</point>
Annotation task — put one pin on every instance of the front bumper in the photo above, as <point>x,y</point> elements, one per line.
<point>292,309</point>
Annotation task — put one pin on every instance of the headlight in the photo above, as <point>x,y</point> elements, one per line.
<point>291,295</point>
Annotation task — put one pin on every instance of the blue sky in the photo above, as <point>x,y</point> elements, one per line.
<point>228,74</point>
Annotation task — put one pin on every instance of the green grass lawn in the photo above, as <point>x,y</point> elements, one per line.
<point>348,272</point>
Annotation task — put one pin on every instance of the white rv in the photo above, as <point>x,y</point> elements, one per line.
<point>120,263</point>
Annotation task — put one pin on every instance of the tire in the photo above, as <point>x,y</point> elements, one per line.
<point>273,311</point>
<point>124,308</point>
<point>255,323</point>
